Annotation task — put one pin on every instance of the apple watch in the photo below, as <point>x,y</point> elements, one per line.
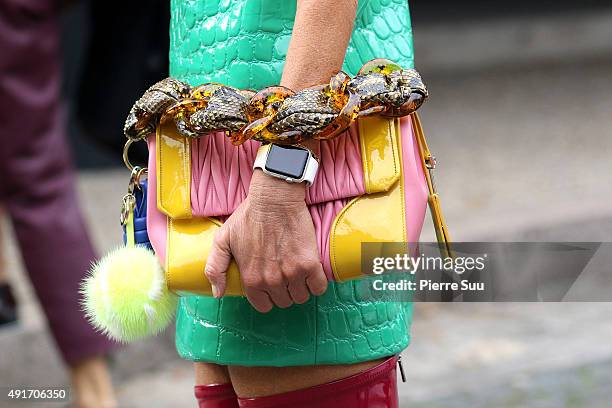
<point>293,164</point>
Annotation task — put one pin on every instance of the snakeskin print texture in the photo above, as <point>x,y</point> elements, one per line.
<point>243,44</point>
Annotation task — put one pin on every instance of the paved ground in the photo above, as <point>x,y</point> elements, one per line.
<point>524,153</point>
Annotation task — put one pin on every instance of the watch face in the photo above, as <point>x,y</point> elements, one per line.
<point>288,161</point>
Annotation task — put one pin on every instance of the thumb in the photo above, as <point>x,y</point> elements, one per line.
<point>218,261</point>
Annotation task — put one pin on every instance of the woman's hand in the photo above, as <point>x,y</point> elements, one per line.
<point>272,239</point>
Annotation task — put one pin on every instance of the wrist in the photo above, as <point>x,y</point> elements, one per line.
<point>272,192</point>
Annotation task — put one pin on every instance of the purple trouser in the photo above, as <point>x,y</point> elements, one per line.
<point>36,175</point>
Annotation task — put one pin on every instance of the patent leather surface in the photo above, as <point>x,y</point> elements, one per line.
<point>243,44</point>
<point>373,388</point>
<point>189,241</point>
<point>378,216</point>
<point>216,396</point>
<point>173,156</point>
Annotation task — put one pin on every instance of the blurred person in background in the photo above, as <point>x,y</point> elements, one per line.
<point>37,191</point>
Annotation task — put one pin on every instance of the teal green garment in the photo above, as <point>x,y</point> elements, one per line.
<point>243,43</point>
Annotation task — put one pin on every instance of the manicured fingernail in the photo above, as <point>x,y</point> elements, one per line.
<point>215,291</point>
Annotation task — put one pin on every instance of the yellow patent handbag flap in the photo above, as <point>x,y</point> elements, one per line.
<point>173,156</point>
<point>379,216</point>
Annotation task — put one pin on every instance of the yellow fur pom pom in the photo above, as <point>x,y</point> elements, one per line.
<point>125,295</point>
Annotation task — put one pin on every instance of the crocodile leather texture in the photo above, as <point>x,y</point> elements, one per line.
<point>243,44</point>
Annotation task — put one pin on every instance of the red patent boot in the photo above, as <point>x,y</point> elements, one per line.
<point>216,396</point>
<point>373,388</point>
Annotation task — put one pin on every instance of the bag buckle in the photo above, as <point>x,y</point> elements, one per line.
<point>430,162</point>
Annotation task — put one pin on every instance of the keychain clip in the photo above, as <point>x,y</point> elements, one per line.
<point>129,199</point>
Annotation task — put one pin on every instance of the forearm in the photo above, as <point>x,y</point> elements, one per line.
<point>321,33</point>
